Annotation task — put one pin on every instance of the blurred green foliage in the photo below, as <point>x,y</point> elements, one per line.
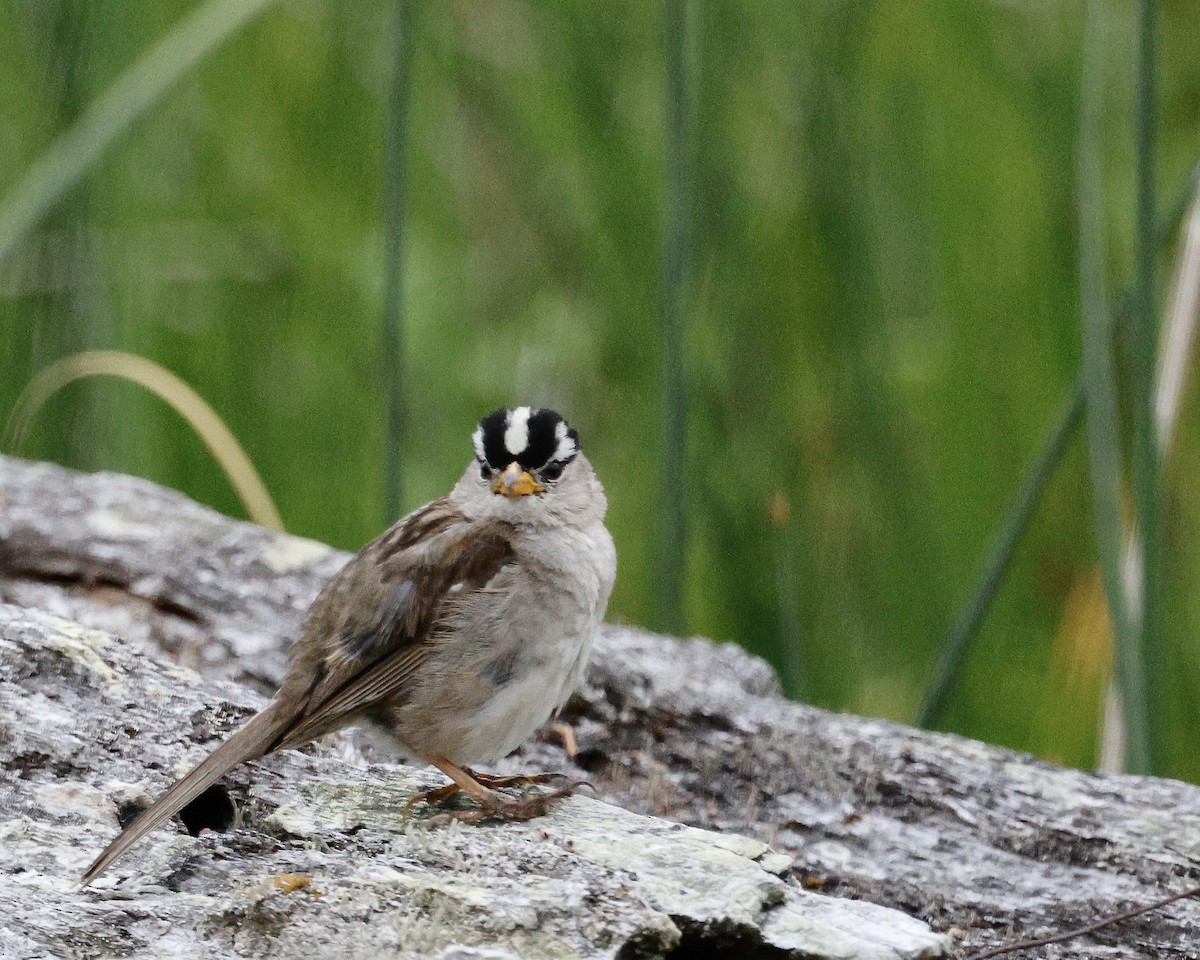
<point>884,315</point>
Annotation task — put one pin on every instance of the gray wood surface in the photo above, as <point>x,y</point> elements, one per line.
<point>981,843</point>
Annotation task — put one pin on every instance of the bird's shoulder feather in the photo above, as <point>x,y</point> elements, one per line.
<point>369,629</point>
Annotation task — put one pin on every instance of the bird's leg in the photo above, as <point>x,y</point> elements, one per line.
<point>479,787</point>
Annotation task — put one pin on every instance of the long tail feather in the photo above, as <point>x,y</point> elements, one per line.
<point>256,738</point>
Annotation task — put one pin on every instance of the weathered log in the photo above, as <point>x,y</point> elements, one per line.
<point>326,863</point>
<point>980,842</point>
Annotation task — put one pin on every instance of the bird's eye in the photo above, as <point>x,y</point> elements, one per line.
<point>552,471</point>
<point>485,470</point>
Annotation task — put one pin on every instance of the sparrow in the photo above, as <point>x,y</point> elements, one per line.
<point>455,634</point>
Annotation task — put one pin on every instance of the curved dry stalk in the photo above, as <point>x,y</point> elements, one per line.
<point>175,392</point>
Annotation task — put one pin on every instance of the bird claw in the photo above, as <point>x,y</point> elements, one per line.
<point>529,806</point>
<point>498,781</point>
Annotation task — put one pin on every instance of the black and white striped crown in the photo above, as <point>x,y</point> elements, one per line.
<point>530,436</point>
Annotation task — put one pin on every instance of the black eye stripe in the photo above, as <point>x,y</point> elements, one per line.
<point>541,436</point>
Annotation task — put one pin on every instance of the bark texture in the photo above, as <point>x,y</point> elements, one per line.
<point>981,843</point>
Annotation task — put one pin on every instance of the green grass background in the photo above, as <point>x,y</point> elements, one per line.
<point>884,319</point>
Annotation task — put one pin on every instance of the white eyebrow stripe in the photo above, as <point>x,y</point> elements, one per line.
<point>516,437</point>
<point>477,439</point>
<point>566,446</point>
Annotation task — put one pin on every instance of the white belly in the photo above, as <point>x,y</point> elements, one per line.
<point>515,653</point>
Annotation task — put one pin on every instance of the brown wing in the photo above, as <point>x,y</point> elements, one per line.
<point>364,635</point>
<point>368,629</point>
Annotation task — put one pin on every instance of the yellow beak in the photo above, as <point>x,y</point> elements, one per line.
<point>515,481</point>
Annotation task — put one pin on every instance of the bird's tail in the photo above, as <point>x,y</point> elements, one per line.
<point>256,738</point>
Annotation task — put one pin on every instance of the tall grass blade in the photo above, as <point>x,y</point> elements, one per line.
<point>678,271</point>
<point>1146,474</point>
<point>1180,334</point>
<point>145,82</point>
<point>394,209</point>
<point>1100,388</point>
<point>999,558</point>
<point>1180,324</point>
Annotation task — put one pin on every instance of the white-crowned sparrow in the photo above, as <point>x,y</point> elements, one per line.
<point>457,632</point>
